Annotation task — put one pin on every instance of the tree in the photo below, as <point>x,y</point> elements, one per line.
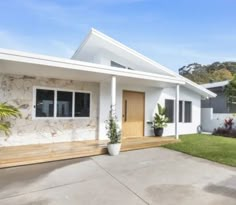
<point>230,90</point>
<point>221,75</point>
<point>6,112</point>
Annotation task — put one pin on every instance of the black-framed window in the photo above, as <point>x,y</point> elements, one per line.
<point>180,111</point>
<point>44,103</point>
<point>169,105</point>
<point>115,64</point>
<point>64,103</point>
<point>187,111</point>
<point>82,104</point>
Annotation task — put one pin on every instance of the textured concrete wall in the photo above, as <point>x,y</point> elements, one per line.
<point>18,91</point>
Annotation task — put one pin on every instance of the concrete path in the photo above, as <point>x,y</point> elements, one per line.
<point>151,176</point>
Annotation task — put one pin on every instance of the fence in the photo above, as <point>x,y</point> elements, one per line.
<point>210,120</point>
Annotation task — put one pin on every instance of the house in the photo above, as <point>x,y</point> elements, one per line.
<point>69,99</point>
<point>219,103</point>
<point>216,110</point>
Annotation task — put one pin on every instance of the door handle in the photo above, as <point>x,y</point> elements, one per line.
<point>125,111</point>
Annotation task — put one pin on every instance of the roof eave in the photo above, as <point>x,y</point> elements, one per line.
<point>23,57</point>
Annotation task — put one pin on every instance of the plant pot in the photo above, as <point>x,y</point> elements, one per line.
<point>114,149</point>
<point>158,131</point>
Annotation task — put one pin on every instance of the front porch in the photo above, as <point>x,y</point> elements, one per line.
<point>33,154</point>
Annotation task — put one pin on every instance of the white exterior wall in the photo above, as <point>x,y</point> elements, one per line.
<point>152,97</point>
<point>211,121</point>
<point>105,58</point>
<point>184,95</point>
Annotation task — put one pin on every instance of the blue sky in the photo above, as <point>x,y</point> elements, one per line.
<point>172,32</point>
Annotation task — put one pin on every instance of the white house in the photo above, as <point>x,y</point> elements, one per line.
<point>69,99</point>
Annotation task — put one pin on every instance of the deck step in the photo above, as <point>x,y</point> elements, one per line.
<point>33,154</point>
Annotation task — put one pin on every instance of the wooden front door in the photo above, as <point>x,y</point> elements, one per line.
<point>133,114</point>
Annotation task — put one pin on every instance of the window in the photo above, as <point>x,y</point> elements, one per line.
<point>114,64</point>
<point>180,111</point>
<point>57,103</point>
<point>64,104</point>
<point>187,111</point>
<point>169,105</point>
<point>82,104</point>
<point>44,103</point>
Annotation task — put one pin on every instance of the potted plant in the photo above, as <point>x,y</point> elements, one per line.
<point>160,121</point>
<point>114,134</point>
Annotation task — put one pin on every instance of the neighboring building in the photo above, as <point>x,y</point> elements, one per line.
<point>219,103</point>
<point>69,99</point>
<point>215,110</point>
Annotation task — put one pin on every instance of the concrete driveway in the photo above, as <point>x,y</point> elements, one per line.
<point>151,176</point>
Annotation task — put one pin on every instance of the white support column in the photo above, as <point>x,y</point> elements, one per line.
<point>177,112</point>
<point>113,95</point>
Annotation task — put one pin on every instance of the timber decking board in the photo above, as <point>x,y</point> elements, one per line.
<point>32,154</point>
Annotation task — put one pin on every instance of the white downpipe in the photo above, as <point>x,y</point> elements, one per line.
<point>177,112</point>
<point>113,95</point>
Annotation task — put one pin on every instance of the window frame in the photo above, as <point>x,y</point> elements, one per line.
<point>34,117</point>
<point>118,65</point>
<point>182,113</point>
<point>191,109</point>
<point>173,110</point>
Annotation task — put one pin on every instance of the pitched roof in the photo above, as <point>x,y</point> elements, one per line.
<point>114,45</point>
<point>216,84</point>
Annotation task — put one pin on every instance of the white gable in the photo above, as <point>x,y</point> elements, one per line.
<point>101,49</point>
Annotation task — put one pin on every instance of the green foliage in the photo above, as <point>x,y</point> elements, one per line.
<point>113,131</point>
<point>230,90</point>
<point>214,72</point>
<point>7,111</point>
<point>160,119</point>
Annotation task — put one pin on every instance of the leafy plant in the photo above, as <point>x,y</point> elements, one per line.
<point>7,111</point>
<point>160,119</point>
<point>113,131</point>
<point>230,90</point>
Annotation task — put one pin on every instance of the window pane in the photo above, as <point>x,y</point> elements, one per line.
<point>114,64</point>
<point>44,103</point>
<point>64,104</point>
<point>169,105</point>
<point>82,104</point>
<point>187,111</point>
<point>180,111</point>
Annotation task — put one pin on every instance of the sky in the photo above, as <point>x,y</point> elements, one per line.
<point>172,32</point>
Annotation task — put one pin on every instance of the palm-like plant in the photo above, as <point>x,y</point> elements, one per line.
<point>7,111</point>
<point>160,119</point>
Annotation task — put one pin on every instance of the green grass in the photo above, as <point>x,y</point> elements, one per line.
<point>214,148</point>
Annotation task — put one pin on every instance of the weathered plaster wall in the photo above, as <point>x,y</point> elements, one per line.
<point>18,91</point>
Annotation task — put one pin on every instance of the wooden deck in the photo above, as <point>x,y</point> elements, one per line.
<point>32,154</point>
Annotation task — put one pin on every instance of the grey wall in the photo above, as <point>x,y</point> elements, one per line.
<point>219,103</point>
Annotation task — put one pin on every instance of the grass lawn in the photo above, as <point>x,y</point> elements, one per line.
<point>215,148</point>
